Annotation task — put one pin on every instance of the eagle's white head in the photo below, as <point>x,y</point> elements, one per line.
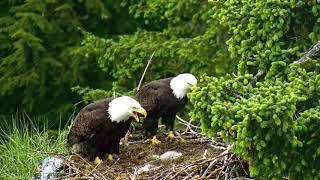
<point>122,108</point>
<point>182,84</point>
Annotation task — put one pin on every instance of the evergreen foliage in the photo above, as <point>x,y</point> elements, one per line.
<point>182,34</point>
<point>51,46</point>
<point>38,43</point>
<point>268,109</point>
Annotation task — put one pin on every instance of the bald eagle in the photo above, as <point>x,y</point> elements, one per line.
<point>164,98</point>
<point>99,126</point>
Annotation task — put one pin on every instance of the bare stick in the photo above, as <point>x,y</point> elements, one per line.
<point>256,77</point>
<point>242,166</point>
<point>144,72</point>
<point>313,52</point>
<point>76,104</point>
<point>215,171</point>
<point>204,154</point>
<point>187,123</point>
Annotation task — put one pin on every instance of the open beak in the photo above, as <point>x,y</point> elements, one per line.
<point>139,112</point>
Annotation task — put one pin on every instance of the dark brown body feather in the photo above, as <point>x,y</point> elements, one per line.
<point>158,100</point>
<point>93,128</point>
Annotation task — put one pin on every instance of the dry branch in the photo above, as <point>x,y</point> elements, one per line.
<point>312,53</point>
<point>256,77</point>
<point>188,124</point>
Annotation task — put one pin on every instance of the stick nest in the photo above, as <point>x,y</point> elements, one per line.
<point>202,158</point>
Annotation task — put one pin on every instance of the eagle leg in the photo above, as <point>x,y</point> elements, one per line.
<point>171,136</point>
<point>125,140</point>
<point>155,141</point>
<point>169,122</point>
<point>110,157</point>
<point>77,148</point>
<point>97,161</point>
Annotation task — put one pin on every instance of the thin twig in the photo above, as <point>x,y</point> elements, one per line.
<point>215,171</point>
<point>204,154</point>
<point>206,171</point>
<point>187,123</point>
<point>144,72</point>
<point>76,104</point>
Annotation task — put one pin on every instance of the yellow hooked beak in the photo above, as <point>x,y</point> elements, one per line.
<point>139,112</point>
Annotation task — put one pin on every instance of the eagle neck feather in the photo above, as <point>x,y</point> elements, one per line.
<point>117,113</point>
<point>178,88</point>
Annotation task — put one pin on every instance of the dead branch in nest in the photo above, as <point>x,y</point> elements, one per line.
<point>312,53</point>
<point>188,124</point>
<point>76,104</point>
<point>190,128</point>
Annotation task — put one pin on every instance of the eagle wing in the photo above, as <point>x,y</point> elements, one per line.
<point>88,122</point>
<point>150,96</point>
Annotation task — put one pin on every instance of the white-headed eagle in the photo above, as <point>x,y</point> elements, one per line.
<point>99,126</point>
<point>164,98</point>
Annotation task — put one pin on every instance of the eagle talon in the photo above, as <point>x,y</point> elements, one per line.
<point>110,157</point>
<point>155,141</point>
<point>97,161</point>
<point>171,136</point>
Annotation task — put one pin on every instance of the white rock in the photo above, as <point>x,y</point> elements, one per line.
<point>147,167</point>
<point>170,155</point>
